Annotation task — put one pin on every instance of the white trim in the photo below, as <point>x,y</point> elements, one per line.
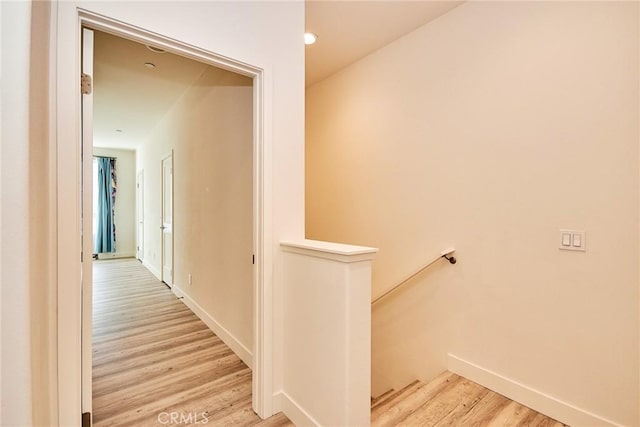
<point>87,224</point>
<point>298,416</point>
<point>263,330</point>
<point>121,29</point>
<point>329,250</point>
<point>68,20</point>
<point>169,157</point>
<point>152,269</point>
<point>223,333</point>
<point>139,252</point>
<point>67,206</point>
<point>534,399</point>
<point>115,255</point>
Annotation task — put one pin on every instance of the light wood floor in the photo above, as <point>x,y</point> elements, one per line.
<point>152,357</point>
<point>451,400</point>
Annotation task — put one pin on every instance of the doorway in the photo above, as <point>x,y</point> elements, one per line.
<point>66,157</point>
<point>140,216</point>
<point>167,220</point>
<point>184,287</point>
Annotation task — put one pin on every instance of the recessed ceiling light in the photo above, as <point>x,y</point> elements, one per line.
<point>310,38</point>
<point>155,49</point>
<point>150,65</point>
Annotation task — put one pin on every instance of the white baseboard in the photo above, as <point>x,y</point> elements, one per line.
<point>534,399</point>
<point>227,337</point>
<point>152,269</point>
<point>282,402</point>
<point>114,255</point>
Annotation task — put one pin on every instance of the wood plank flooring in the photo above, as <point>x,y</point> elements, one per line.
<point>451,400</point>
<point>153,359</point>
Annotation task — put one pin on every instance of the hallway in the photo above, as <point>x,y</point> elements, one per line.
<point>156,363</point>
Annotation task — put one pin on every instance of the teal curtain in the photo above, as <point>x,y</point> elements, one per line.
<point>106,232</point>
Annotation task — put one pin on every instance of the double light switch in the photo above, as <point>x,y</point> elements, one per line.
<point>572,240</point>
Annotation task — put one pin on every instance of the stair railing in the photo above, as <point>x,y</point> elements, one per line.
<point>444,254</point>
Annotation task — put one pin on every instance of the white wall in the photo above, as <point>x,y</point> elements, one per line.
<point>210,130</point>
<point>27,316</point>
<point>265,35</point>
<point>16,349</point>
<point>490,129</point>
<point>125,208</point>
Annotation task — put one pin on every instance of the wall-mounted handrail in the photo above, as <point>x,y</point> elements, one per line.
<point>444,254</point>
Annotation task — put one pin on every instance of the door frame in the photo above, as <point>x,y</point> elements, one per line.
<point>162,191</point>
<point>66,168</point>
<point>86,112</point>
<point>140,215</point>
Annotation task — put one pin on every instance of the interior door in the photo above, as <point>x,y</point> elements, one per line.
<point>87,215</point>
<point>140,215</point>
<point>167,220</point>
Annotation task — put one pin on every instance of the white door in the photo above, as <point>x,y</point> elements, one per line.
<point>167,220</point>
<point>140,215</point>
<point>87,218</point>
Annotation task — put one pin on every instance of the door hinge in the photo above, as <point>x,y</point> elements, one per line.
<point>86,419</point>
<point>85,84</point>
<point>253,260</point>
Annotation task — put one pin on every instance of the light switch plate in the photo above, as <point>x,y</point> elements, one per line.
<point>572,240</point>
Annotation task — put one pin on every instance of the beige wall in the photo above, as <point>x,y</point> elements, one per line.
<point>16,373</point>
<point>125,209</point>
<point>490,129</point>
<point>210,130</point>
<point>26,311</point>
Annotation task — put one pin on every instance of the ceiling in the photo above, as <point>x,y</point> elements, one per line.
<point>130,98</point>
<point>350,30</point>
